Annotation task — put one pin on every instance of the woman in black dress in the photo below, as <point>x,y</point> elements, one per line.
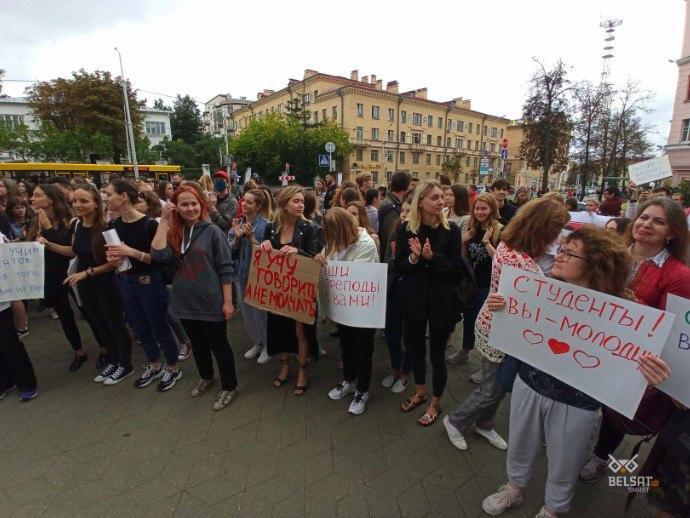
<point>291,233</point>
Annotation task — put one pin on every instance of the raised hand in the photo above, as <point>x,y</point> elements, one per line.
<point>427,252</point>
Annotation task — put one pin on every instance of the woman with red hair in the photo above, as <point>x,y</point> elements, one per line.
<point>201,295</point>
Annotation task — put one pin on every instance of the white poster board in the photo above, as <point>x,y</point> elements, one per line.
<point>577,219</point>
<point>650,170</point>
<point>112,238</point>
<point>354,294</point>
<point>677,351</point>
<point>585,338</point>
<point>22,271</point>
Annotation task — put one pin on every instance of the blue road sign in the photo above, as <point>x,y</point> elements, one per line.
<point>484,166</point>
<point>324,161</point>
<point>504,154</point>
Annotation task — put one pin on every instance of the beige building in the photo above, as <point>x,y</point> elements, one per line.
<point>390,130</point>
<point>678,147</point>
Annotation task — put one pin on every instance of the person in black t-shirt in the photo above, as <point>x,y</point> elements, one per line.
<point>500,188</point>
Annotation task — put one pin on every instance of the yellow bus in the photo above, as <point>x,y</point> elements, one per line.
<point>41,170</point>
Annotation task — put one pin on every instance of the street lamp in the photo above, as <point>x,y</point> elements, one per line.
<point>128,119</point>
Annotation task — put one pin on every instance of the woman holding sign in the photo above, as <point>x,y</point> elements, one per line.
<point>347,241</point>
<point>290,233</point>
<point>428,256</point>
<point>544,409</point>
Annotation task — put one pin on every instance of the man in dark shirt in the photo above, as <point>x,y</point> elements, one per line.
<point>331,186</point>
<point>390,208</point>
<point>612,203</point>
<point>222,205</point>
<point>500,189</point>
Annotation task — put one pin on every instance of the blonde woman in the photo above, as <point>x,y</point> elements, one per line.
<point>206,184</point>
<point>428,257</point>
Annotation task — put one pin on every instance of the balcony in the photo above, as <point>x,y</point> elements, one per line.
<point>417,146</point>
<point>359,142</point>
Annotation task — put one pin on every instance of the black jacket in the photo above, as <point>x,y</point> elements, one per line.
<point>307,237</point>
<point>429,287</point>
<point>328,197</point>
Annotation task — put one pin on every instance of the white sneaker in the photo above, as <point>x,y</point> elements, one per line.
<point>53,314</point>
<point>105,373</point>
<point>493,437</point>
<point>264,357</point>
<point>251,353</point>
<point>400,385</point>
<point>343,389</point>
<point>389,380</point>
<point>357,405</point>
<point>545,513</point>
<point>454,435</point>
<point>477,377</point>
<point>500,501</point>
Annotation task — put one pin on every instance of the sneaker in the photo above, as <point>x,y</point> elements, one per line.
<point>343,389</point>
<point>357,405</point>
<point>28,395</point>
<point>459,357</point>
<point>119,374</point>
<point>170,377</point>
<point>389,380</point>
<point>253,352</point>
<point>263,357</point>
<point>53,314</point>
<point>400,385</point>
<point>224,399</point>
<point>7,391</point>
<point>77,362</point>
<point>454,434</point>
<point>500,501</point>
<point>201,387</point>
<point>21,333</point>
<point>185,351</point>
<point>150,374</point>
<point>493,437</point>
<point>545,513</point>
<point>592,469</point>
<point>101,362</point>
<point>323,352</point>
<point>477,377</point>
<point>105,373</point>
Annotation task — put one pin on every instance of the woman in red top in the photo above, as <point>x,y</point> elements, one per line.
<point>659,237</point>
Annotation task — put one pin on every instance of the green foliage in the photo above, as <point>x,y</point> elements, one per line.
<point>185,120</point>
<point>453,165</point>
<point>158,104</point>
<point>267,143</point>
<point>70,145</point>
<point>15,139</point>
<point>190,156</point>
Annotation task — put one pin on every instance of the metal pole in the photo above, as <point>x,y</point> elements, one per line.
<point>128,119</point>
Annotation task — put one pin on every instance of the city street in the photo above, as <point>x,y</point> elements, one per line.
<point>82,449</point>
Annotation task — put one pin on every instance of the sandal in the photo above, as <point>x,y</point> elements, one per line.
<point>301,389</point>
<point>427,419</point>
<point>278,381</point>
<point>410,403</point>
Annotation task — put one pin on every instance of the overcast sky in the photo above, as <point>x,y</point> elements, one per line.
<point>478,50</point>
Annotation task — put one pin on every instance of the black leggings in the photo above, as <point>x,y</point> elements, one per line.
<point>15,364</point>
<point>209,338</point>
<point>59,301</point>
<point>415,341</point>
<point>357,345</point>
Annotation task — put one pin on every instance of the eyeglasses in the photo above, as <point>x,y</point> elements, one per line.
<point>567,254</point>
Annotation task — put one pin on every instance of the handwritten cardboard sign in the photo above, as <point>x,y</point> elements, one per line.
<point>354,294</point>
<point>21,271</point>
<point>585,338</point>
<point>283,285</point>
<point>650,170</point>
<point>677,351</point>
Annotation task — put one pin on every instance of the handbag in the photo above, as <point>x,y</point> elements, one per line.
<point>170,268</point>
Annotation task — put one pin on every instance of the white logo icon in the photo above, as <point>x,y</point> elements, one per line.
<point>623,466</point>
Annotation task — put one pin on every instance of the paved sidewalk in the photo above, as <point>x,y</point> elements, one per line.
<point>82,449</point>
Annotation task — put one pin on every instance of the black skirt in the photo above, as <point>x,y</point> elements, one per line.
<point>282,338</point>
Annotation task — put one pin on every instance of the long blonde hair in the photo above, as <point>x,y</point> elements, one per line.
<point>206,182</point>
<point>340,229</point>
<point>280,215</point>
<point>490,200</point>
<point>415,218</point>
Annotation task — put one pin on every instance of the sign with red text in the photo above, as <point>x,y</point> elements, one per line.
<point>677,351</point>
<point>354,294</point>
<point>587,339</point>
<point>283,284</point>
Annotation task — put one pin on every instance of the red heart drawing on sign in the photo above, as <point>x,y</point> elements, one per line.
<point>532,338</point>
<point>558,347</point>
<point>586,361</point>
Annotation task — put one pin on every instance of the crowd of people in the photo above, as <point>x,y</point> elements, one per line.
<point>166,265</point>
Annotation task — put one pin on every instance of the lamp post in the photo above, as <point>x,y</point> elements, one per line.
<point>128,118</point>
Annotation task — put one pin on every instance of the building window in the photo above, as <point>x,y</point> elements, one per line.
<point>316,92</point>
<point>450,124</point>
<point>494,132</point>
<point>374,155</point>
<point>469,127</point>
<point>402,157</point>
<point>403,117</point>
<point>475,162</point>
<point>476,144</point>
<point>501,132</point>
<point>467,161</point>
<point>447,141</point>
<point>430,120</point>
<point>438,140</point>
<point>477,129</point>
<point>375,112</point>
<point>305,99</point>
<point>389,156</point>
<point>324,113</point>
<point>391,135</point>
<point>428,140</point>
<point>359,155</point>
<point>316,115</point>
<point>335,112</point>
<point>461,125</point>
<point>440,123</point>
<point>483,146</point>
<point>685,136</point>
<point>438,159</point>
<point>151,128</point>
<point>359,132</point>
<point>391,114</point>
<point>417,119</point>
<point>374,133</point>
<point>360,110</point>
<point>493,147</point>
<point>415,158</point>
<point>417,138</point>
<point>403,137</point>
<point>428,159</point>
<point>458,143</point>
<point>486,131</point>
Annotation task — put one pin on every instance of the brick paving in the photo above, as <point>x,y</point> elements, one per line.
<point>82,449</point>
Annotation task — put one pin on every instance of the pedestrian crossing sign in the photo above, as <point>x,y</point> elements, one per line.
<point>324,161</point>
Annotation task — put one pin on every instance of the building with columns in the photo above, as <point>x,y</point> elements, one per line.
<point>678,147</point>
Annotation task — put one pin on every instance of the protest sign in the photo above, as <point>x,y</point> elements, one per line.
<point>677,351</point>
<point>650,170</point>
<point>577,219</point>
<point>354,294</point>
<point>21,271</point>
<point>283,284</point>
<point>585,338</point>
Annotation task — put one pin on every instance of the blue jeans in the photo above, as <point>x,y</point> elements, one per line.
<point>145,299</point>
<point>470,317</point>
<point>394,330</point>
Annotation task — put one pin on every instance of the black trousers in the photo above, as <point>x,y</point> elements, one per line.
<point>210,339</point>
<point>415,341</point>
<point>102,304</point>
<point>357,346</point>
<point>59,301</point>
<point>15,365</point>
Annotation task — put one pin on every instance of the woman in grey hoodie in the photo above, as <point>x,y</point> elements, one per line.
<point>201,295</point>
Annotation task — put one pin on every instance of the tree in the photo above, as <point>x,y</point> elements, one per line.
<point>15,139</point>
<point>547,121</point>
<point>185,120</point>
<point>50,144</point>
<point>453,165</point>
<point>158,104</point>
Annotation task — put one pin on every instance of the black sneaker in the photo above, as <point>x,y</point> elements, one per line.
<point>149,375</point>
<point>4,392</point>
<point>170,377</point>
<point>77,362</point>
<point>119,374</point>
<point>105,373</point>
<point>101,362</point>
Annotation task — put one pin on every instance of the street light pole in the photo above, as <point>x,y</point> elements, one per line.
<point>128,118</point>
